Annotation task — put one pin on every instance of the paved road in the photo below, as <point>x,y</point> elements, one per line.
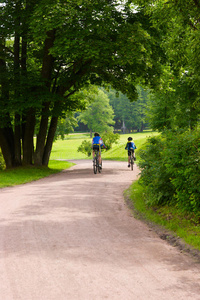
<point>70,236</point>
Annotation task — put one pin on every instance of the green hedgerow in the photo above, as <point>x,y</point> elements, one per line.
<point>170,169</point>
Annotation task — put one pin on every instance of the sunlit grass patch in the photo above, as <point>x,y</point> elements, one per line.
<point>22,175</point>
<point>67,148</point>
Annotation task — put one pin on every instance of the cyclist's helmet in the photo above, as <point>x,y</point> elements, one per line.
<point>130,139</point>
<point>96,134</point>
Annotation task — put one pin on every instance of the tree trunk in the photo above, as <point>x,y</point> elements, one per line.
<point>5,148</point>
<point>49,142</point>
<point>41,137</point>
<point>28,138</point>
<point>46,74</point>
<point>142,127</point>
<point>17,141</point>
<point>6,132</point>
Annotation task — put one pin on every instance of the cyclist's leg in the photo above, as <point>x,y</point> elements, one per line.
<point>129,158</point>
<point>93,152</point>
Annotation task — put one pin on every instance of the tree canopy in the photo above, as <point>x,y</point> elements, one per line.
<point>49,50</point>
<point>177,95</point>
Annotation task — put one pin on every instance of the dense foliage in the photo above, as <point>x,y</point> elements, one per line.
<point>170,164</point>
<point>129,115</point>
<point>170,170</point>
<point>50,49</point>
<point>175,103</point>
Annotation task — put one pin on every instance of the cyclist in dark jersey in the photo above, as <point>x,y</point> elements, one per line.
<point>130,146</point>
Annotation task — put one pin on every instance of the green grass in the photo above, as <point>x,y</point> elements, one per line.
<point>22,175</point>
<point>67,149</point>
<point>184,226</point>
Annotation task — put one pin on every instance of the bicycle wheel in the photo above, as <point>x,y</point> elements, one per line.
<point>95,165</point>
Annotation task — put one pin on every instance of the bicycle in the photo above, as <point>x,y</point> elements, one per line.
<point>96,166</point>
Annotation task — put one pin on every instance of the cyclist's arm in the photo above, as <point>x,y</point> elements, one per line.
<point>102,143</point>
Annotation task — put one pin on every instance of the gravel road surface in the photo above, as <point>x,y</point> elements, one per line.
<point>71,236</point>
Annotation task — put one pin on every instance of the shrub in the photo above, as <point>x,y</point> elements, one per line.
<point>154,174</point>
<point>110,138</point>
<point>183,164</point>
<point>85,148</point>
<point>170,170</point>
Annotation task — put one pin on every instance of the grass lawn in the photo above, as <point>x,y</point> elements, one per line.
<point>67,148</point>
<point>22,175</point>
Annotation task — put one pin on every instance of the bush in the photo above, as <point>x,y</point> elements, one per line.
<point>170,170</point>
<point>110,138</point>
<point>183,164</point>
<point>154,174</point>
<point>85,148</point>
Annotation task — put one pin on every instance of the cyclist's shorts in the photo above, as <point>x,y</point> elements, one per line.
<point>129,152</point>
<point>96,147</point>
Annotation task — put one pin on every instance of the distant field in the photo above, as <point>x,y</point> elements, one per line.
<point>67,148</point>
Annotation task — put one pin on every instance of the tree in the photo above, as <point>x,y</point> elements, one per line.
<point>65,125</point>
<point>99,114</point>
<point>176,102</point>
<point>176,108</point>
<point>131,114</point>
<point>52,49</point>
